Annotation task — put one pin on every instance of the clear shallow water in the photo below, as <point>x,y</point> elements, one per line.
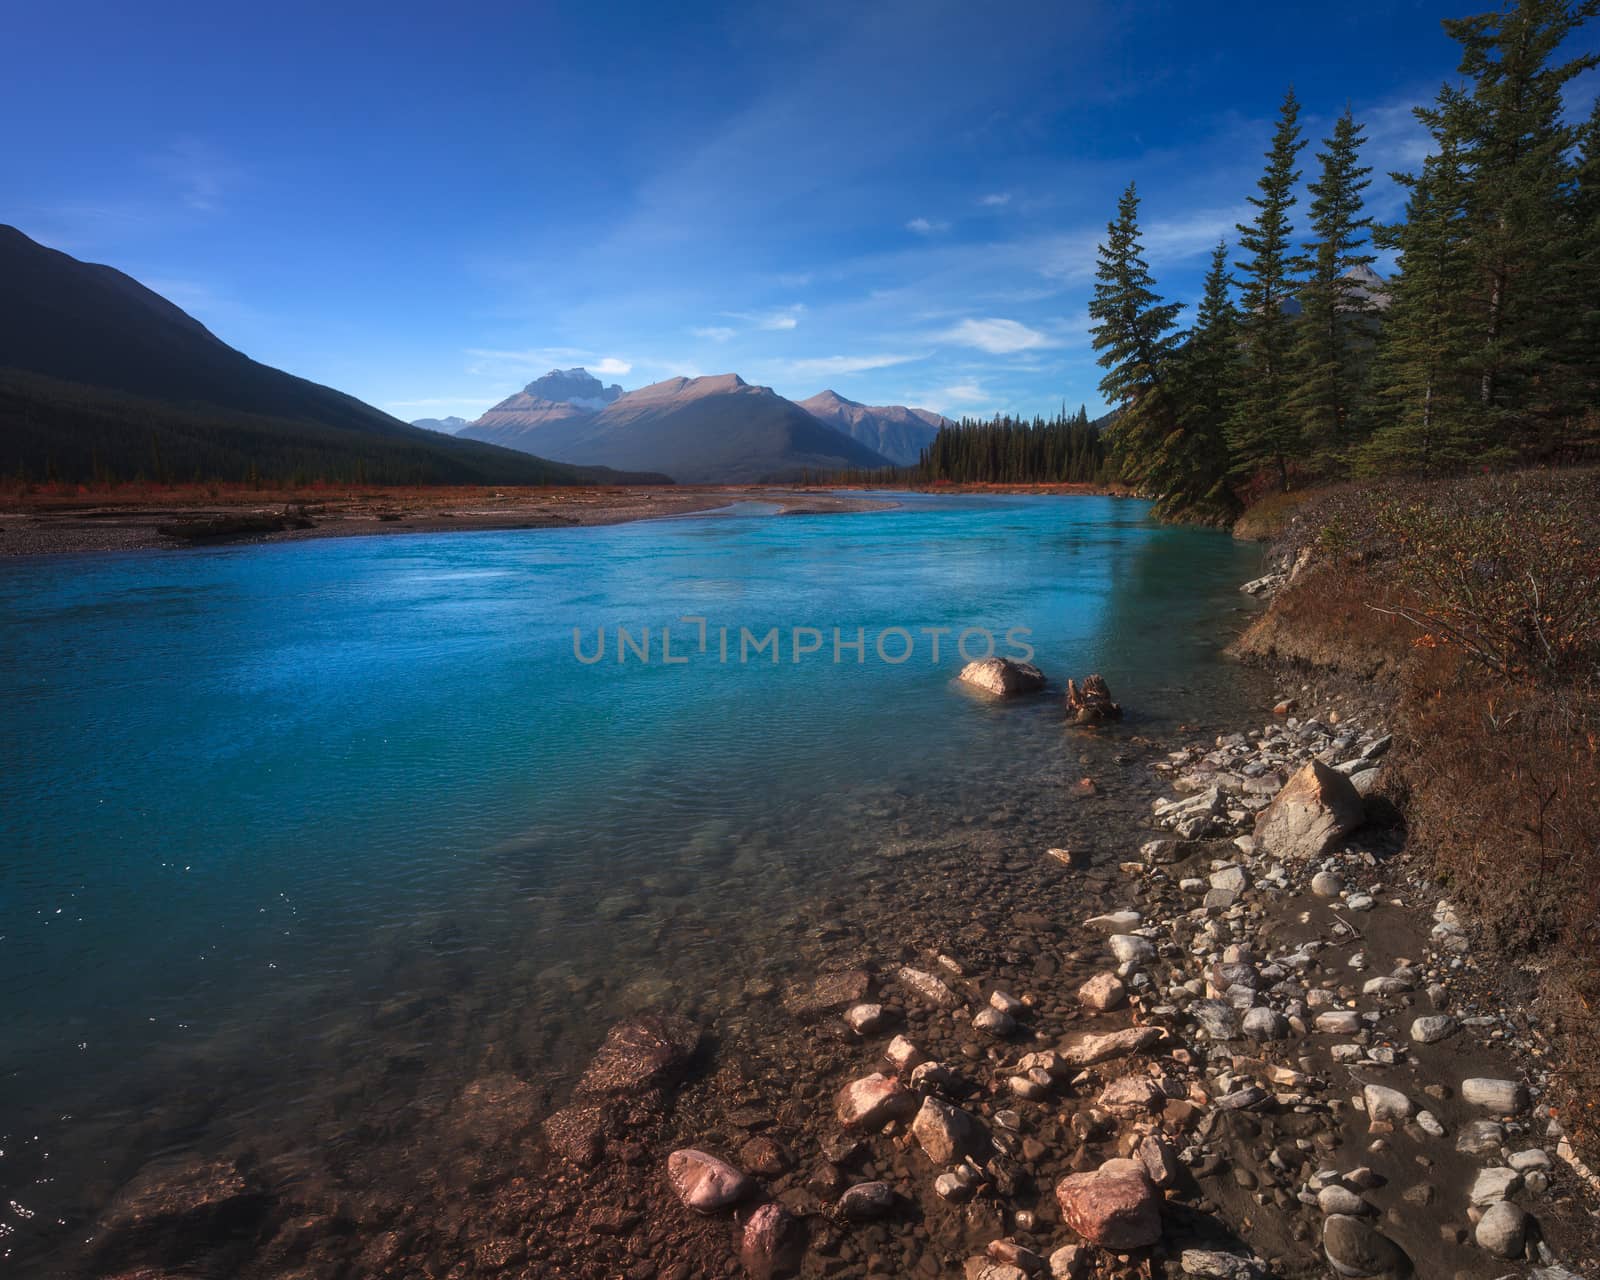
<point>268,812</point>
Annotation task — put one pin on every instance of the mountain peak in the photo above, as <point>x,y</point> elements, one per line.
<point>573,386</point>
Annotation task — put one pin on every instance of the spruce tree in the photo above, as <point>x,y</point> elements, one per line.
<point>1425,397</point>
<point>1207,386</point>
<point>1519,151</point>
<point>1333,338</point>
<point>1134,334</point>
<point>1262,430</point>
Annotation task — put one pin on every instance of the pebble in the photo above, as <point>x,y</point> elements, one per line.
<point>864,1019</point>
<point>1326,885</point>
<point>866,1201</point>
<point>994,1023</point>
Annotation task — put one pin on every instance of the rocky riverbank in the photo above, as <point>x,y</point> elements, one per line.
<point>1291,1060</point>
<point>1245,1041</point>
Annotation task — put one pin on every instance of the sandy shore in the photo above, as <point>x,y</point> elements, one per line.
<point>53,524</point>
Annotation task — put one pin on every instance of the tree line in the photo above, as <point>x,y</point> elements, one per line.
<point>1302,363</point>
<point>1065,449</point>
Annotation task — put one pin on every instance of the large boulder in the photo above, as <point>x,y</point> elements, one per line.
<point>179,1210</point>
<point>1312,812</point>
<point>1115,1207</point>
<point>645,1053</point>
<point>1003,677</point>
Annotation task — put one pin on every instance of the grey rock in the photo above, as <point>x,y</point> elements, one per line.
<point>1130,948</point>
<point>866,1201</point>
<point>1265,1024</point>
<point>1356,1250</point>
<point>1337,1199</point>
<point>994,1023</point>
<point>1492,1185</point>
<point>1385,1104</point>
<point>1505,1097</point>
<point>1481,1137</point>
<point>1503,1230</point>
<point>1218,1018</point>
<point>1433,1027</point>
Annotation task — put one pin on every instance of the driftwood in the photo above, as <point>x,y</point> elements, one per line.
<point>1090,702</point>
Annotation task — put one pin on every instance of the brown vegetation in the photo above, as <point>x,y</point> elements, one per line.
<point>1479,602</point>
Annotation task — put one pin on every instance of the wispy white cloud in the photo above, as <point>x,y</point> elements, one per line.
<point>611,367</point>
<point>847,364</point>
<point>714,333</point>
<point>953,399</point>
<point>778,319</point>
<point>995,200</point>
<point>927,226</point>
<point>995,335</point>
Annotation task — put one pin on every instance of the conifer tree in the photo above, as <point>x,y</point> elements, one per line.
<point>1333,338</point>
<point>1262,430</point>
<point>1519,151</point>
<point>1424,392</point>
<point>1207,386</point>
<point>1134,333</point>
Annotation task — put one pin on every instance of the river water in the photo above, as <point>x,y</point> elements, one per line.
<point>293,836</point>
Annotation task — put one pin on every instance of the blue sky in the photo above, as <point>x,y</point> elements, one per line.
<point>426,205</point>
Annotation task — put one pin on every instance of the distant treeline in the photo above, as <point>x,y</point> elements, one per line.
<point>55,432</point>
<point>1065,449</point>
<point>1301,365</point>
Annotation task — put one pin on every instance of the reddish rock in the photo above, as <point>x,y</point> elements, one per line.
<point>764,1157</point>
<point>1309,815</point>
<point>1003,677</point>
<point>1132,1096</point>
<point>828,993</point>
<point>773,1244</point>
<point>1103,991</point>
<point>576,1134</point>
<point>1085,1048</point>
<point>644,1053</point>
<point>176,1210</point>
<point>871,1102</point>
<point>703,1182</point>
<point>946,1133</point>
<point>1114,1207</point>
